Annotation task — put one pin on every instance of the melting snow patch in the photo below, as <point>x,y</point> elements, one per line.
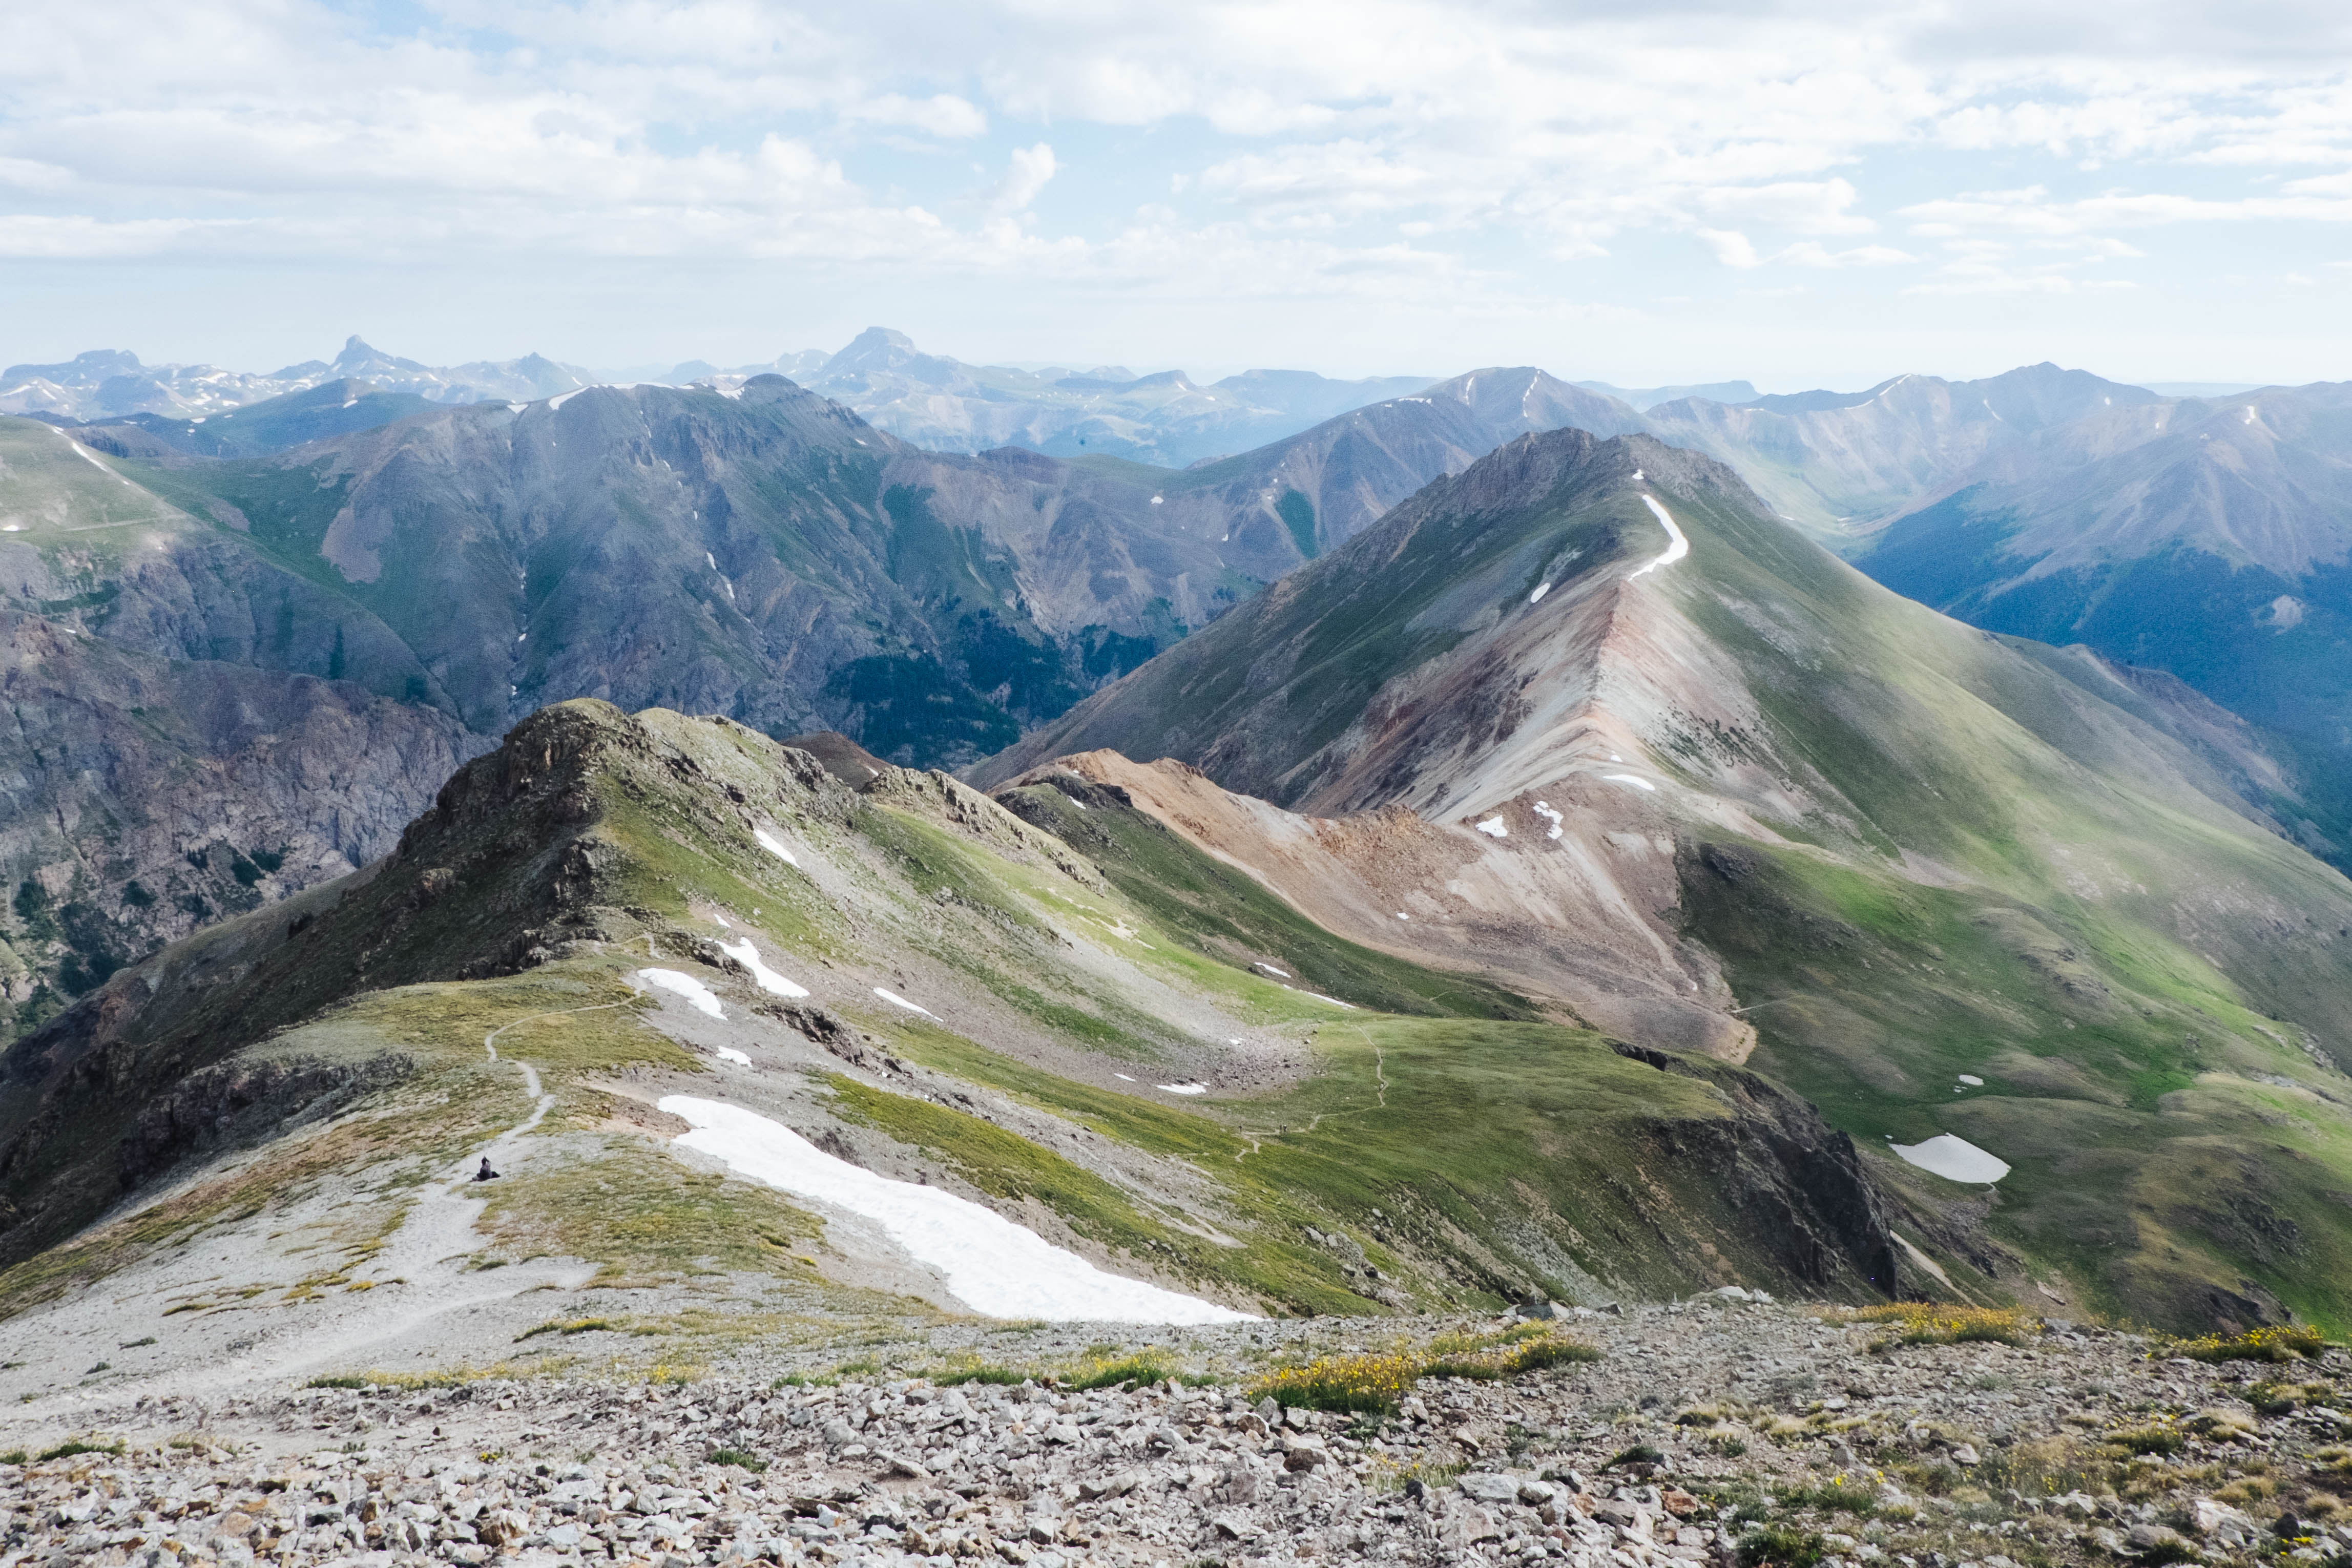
<point>1122,1077</point>
<point>1493,828</point>
<point>770,981</point>
<point>896,1000</point>
<point>1156,500</point>
<point>696,994</point>
<point>1544,809</point>
<point>1182,1088</point>
<point>773,845</point>
<point>998,1268</point>
<point>1629,778</point>
<point>1537,597</point>
<point>722,922</point>
<point>1954,1159</point>
<point>1402,916</point>
<point>729,1053</point>
<point>1971,1080</point>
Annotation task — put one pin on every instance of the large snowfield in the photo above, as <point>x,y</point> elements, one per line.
<point>998,1268</point>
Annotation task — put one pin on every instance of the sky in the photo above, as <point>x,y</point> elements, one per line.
<point>1796,193</point>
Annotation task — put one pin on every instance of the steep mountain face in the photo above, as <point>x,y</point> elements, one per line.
<point>613,921</point>
<point>2210,539</point>
<point>150,796</point>
<point>1961,887</point>
<point>1835,464</point>
<point>111,383</point>
<point>1295,499</point>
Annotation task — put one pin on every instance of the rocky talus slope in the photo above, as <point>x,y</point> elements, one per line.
<point>1724,1429</point>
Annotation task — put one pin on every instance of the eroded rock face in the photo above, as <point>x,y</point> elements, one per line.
<point>152,796</point>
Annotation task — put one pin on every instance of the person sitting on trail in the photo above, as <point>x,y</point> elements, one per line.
<point>486,1173</point>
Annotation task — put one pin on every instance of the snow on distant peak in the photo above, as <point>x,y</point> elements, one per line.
<point>998,1268</point>
<point>696,994</point>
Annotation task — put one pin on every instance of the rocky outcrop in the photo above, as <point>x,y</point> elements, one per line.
<point>1800,1179</point>
<point>147,796</point>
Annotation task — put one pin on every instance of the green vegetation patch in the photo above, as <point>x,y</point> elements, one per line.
<point>1229,916</point>
<point>644,1217</point>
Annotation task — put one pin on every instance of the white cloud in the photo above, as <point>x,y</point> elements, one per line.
<point>1730,246</point>
<point>1497,157</point>
<point>1026,176</point>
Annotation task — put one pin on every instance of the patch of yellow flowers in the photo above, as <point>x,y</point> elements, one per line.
<point>1925,1322</point>
<point>2285,1342</point>
<point>1379,1381</point>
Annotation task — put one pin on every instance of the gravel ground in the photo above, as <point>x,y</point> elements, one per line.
<point>1704,1428</point>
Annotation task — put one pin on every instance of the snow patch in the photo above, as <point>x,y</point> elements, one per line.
<point>729,1053</point>
<point>1544,809</point>
<point>1182,1088</point>
<point>1122,1077</point>
<point>896,1000</point>
<point>998,1268</point>
<point>1493,828</point>
<point>1971,1080</point>
<point>1677,546</point>
<point>562,398</point>
<point>1629,778</point>
<point>773,845</point>
<point>1954,1159</point>
<point>1537,597</point>
<point>1333,1000</point>
<point>696,994</point>
<point>775,985</point>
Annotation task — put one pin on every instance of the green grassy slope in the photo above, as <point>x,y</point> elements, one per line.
<point>1918,850</point>
<point>1422,1157</point>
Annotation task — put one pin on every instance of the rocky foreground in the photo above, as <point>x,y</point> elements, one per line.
<point>1706,1432</point>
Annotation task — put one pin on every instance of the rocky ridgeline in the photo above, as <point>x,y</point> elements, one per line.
<point>1711,1432</point>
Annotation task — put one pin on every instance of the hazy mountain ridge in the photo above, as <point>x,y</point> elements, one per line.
<point>112,383</point>
<point>1836,463</point>
<point>2211,539</point>
<point>1164,418</point>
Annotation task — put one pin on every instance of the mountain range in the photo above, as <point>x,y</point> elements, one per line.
<point>1577,884</point>
<point>929,400</point>
<point>760,552</point>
